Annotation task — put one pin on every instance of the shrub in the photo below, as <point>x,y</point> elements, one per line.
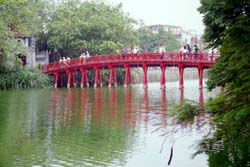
<point>22,78</point>
<point>184,112</point>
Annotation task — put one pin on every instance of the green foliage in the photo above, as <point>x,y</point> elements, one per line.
<point>228,28</point>
<point>22,78</point>
<point>23,16</point>
<point>184,112</point>
<point>96,26</point>
<point>152,41</point>
<point>224,154</point>
<point>18,18</point>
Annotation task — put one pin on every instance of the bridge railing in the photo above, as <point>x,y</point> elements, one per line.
<point>169,56</point>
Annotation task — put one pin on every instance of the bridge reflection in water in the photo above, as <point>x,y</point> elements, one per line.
<point>95,127</point>
<point>118,106</point>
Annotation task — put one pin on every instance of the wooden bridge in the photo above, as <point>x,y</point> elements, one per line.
<point>128,61</point>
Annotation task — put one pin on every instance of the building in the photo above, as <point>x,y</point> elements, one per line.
<point>34,56</point>
<point>184,36</point>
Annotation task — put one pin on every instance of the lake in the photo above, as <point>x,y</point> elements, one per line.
<point>103,127</point>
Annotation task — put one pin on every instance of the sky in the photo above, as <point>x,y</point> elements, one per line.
<point>171,12</point>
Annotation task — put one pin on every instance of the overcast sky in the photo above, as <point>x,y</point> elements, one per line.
<point>172,12</point>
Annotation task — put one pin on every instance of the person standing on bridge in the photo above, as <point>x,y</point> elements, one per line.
<point>184,52</point>
<point>135,51</point>
<point>124,50</point>
<point>189,48</point>
<point>87,54</point>
<point>189,51</point>
<point>196,52</point>
<point>64,60</point>
<point>162,51</point>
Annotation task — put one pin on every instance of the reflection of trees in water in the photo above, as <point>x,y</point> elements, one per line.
<point>221,143</point>
<point>228,154</point>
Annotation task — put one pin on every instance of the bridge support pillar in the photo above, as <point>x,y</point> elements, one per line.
<point>181,76</point>
<point>200,73</point>
<point>128,76</point>
<point>56,75</point>
<point>74,80</point>
<point>112,76</point>
<point>71,77</point>
<point>163,78</point>
<point>145,76</point>
<point>84,79</point>
<point>61,80</point>
<point>98,77</point>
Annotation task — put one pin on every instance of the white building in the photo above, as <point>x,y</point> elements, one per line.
<point>34,57</point>
<point>184,36</point>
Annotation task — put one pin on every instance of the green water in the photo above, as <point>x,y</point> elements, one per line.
<point>118,127</point>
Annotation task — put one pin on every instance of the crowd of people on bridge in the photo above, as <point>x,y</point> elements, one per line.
<point>186,52</point>
<point>64,60</point>
<point>84,55</point>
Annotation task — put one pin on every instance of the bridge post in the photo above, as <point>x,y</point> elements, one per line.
<point>98,77</point>
<point>200,72</point>
<point>84,78</point>
<point>145,76</point>
<point>73,78</point>
<point>163,78</point>
<point>61,80</point>
<point>181,75</point>
<point>56,75</point>
<point>112,76</point>
<point>69,78</point>
<point>128,76</point>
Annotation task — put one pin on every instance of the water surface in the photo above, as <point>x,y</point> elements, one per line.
<point>118,127</point>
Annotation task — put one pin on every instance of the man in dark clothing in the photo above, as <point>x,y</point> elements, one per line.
<point>196,52</point>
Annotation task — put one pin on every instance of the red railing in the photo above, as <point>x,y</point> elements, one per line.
<point>120,59</point>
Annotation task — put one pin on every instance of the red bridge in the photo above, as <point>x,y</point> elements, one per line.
<point>128,61</point>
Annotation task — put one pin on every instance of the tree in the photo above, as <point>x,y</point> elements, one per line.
<point>152,41</point>
<point>228,28</point>
<point>96,26</point>
<point>18,17</point>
